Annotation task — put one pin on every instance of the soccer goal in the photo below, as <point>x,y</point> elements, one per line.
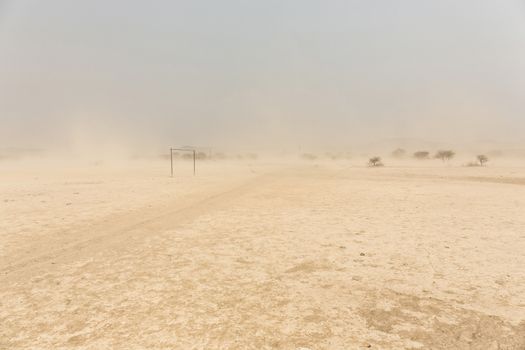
<point>189,150</point>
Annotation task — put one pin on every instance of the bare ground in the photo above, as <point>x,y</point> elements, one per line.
<point>311,257</point>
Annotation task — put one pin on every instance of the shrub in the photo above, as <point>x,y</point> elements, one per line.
<point>422,155</point>
<point>482,159</point>
<point>445,155</point>
<point>399,153</point>
<point>375,162</point>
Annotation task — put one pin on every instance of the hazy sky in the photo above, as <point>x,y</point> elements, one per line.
<point>157,73</point>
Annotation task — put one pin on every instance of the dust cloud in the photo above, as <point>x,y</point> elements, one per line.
<point>134,79</point>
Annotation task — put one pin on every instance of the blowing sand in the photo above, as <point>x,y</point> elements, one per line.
<point>262,256</point>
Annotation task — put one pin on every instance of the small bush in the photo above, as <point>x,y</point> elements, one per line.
<point>482,159</point>
<point>375,162</point>
<point>445,155</point>
<point>422,155</point>
<point>399,153</point>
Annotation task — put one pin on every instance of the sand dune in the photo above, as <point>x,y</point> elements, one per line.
<point>263,256</point>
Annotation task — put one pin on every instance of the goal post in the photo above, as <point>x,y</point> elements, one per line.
<point>191,150</point>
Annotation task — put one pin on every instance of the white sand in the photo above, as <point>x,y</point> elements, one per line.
<point>260,256</point>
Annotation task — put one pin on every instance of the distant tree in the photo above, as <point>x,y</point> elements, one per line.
<point>445,155</point>
<point>399,153</point>
<point>421,155</point>
<point>375,162</point>
<point>482,159</point>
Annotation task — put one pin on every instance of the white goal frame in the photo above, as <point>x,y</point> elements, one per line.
<point>182,150</point>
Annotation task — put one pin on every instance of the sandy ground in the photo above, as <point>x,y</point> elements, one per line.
<point>262,256</point>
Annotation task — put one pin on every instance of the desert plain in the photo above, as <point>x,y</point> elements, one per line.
<point>265,254</point>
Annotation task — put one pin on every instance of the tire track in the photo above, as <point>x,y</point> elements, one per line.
<point>128,226</point>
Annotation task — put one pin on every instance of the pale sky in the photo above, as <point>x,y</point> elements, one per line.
<point>155,73</point>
